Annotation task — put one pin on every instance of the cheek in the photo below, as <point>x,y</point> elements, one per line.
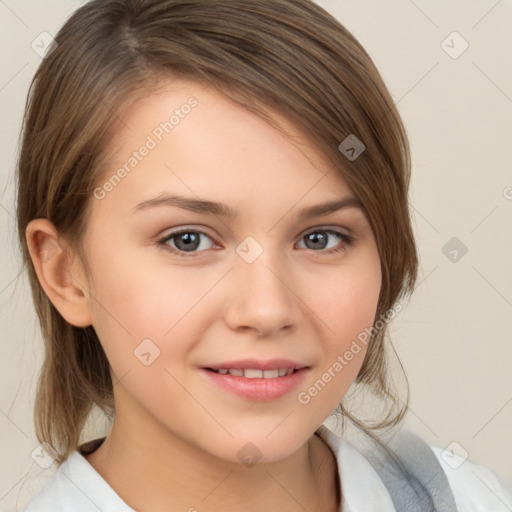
<point>354,310</point>
<point>132,304</point>
<point>347,305</point>
<point>346,308</point>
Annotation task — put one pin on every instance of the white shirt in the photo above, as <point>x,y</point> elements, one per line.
<point>76,486</point>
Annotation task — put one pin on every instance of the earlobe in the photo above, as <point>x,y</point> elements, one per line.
<point>63,284</point>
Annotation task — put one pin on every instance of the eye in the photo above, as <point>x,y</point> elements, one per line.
<point>320,239</point>
<point>186,241</point>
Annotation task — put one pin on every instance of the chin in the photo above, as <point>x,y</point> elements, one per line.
<point>249,450</point>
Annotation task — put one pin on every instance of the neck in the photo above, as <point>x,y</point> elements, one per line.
<point>161,473</point>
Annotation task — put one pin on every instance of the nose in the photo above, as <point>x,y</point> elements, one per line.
<point>262,297</point>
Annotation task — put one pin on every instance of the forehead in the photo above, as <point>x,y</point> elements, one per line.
<point>165,111</point>
<point>189,138</point>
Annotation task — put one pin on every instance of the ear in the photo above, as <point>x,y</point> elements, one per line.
<point>62,282</point>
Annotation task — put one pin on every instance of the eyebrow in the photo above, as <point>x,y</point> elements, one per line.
<point>222,210</point>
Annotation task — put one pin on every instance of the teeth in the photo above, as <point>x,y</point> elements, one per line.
<point>252,373</point>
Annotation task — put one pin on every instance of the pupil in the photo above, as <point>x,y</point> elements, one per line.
<point>316,238</point>
<point>189,241</point>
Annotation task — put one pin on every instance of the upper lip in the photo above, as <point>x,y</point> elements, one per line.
<point>270,364</point>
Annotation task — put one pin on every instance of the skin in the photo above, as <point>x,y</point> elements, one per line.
<point>175,438</point>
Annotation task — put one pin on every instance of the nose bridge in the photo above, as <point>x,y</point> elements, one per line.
<point>262,298</point>
<point>263,269</point>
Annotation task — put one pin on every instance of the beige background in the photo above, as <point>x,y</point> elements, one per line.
<point>454,336</point>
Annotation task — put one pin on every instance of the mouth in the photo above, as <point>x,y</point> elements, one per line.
<point>256,380</point>
<point>255,373</point>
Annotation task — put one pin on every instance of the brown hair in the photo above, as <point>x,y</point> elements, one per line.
<point>287,55</point>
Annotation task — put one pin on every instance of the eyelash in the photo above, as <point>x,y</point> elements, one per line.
<point>346,241</point>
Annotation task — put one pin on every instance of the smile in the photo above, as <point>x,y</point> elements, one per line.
<point>253,373</point>
<point>256,384</point>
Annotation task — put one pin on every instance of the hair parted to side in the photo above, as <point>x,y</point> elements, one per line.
<point>286,56</point>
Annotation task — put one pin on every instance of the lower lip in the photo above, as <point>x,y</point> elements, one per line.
<point>260,390</point>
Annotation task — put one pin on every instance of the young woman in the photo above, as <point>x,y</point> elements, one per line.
<point>212,207</point>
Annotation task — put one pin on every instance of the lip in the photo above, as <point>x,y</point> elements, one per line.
<point>257,389</point>
<point>271,364</point>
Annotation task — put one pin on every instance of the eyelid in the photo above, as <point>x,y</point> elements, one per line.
<point>346,241</point>
<point>187,228</point>
<point>341,229</point>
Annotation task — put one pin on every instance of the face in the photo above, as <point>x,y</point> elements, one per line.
<point>200,313</point>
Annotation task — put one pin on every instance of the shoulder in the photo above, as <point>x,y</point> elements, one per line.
<point>474,486</point>
<point>54,493</point>
<point>76,486</point>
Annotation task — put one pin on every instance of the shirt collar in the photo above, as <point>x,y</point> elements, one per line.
<point>361,487</point>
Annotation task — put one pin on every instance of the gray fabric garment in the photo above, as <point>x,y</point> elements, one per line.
<point>427,489</point>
